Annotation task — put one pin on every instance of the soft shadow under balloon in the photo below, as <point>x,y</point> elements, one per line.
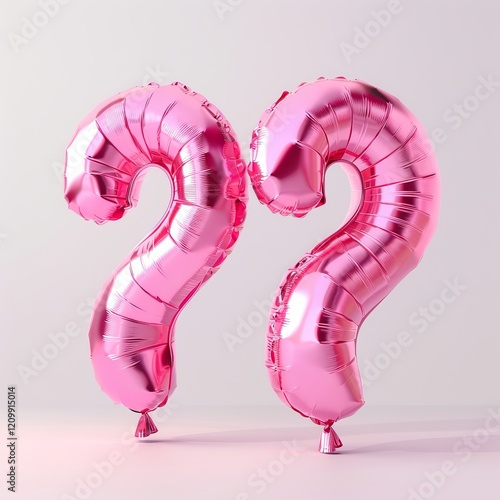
<point>428,445</point>
<point>303,434</point>
<point>241,436</point>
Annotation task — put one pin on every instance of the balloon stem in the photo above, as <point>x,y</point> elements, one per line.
<point>145,426</point>
<point>329,441</point>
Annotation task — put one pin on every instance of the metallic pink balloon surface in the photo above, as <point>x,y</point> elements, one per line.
<point>325,297</point>
<point>132,328</point>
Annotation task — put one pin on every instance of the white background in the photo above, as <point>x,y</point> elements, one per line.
<point>242,55</point>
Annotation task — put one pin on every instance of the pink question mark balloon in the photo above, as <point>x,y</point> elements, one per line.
<point>325,297</point>
<point>132,327</point>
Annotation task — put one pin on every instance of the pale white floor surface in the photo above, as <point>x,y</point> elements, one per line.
<point>242,453</point>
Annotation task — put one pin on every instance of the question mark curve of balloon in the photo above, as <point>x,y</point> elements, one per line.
<point>323,300</point>
<point>132,328</point>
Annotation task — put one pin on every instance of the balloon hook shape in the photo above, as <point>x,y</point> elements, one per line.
<point>324,299</point>
<point>132,327</point>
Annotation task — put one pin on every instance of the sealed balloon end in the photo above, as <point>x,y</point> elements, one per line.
<point>145,427</point>
<point>329,441</point>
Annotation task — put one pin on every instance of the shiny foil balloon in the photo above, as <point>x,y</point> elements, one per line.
<point>132,327</point>
<point>325,297</point>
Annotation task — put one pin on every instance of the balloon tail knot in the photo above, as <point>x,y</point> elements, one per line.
<point>145,426</point>
<point>329,441</point>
